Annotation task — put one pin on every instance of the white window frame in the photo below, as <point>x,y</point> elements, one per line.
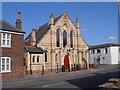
<point>6,39</point>
<point>105,50</point>
<point>37,59</point>
<point>92,51</point>
<point>3,71</point>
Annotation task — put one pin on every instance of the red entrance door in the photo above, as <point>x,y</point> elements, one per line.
<point>66,62</point>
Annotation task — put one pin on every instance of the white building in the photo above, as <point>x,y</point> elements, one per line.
<point>104,54</point>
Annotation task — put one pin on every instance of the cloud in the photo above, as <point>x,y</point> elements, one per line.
<point>83,29</point>
<point>112,38</point>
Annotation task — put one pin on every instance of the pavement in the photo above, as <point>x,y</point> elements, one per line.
<point>61,74</point>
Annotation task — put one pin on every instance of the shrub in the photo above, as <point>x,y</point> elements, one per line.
<point>78,67</point>
<point>63,68</point>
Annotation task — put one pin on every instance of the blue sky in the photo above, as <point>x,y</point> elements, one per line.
<point>98,20</point>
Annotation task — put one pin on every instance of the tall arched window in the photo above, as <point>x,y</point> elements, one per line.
<point>57,38</point>
<point>64,38</point>
<point>71,39</point>
<point>82,55</point>
<point>45,56</point>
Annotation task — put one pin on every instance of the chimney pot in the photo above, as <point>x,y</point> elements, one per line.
<point>18,15</point>
<point>51,15</point>
<point>33,29</point>
<point>19,12</point>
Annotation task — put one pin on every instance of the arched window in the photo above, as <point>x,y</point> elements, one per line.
<point>71,39</point>
<point>57,38</point>
<point>37,59</point>
<point>64,38</point>
<point>33,59</point>
<point>45,56</point>
<point>82,55</point>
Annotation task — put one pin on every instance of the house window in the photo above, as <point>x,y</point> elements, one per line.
<point>106,50</point>
<point>119,50</point>
<point>5,64</point>
<point>33,59</point>
<point>98,51</point>
<point>71,39</point>
<point>58,38</point>
<point>103,58</point>
<point>46,56</point>
<point>92,51</point>
<point>64,38</point>
<point>6,40</point>
<point>37,59</point>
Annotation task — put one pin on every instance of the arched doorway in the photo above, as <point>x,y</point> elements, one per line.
<point>66,63</point>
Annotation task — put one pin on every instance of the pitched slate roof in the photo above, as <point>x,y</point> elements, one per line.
<point>34,50</point>
<point>103,45</point>
<point>8,27</point>
<point>40,31</point>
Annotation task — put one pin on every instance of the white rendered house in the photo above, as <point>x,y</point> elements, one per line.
<point>104,54</point>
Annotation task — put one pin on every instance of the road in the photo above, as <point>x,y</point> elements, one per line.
<point>78,79</point>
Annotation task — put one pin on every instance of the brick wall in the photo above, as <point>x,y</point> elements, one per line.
<point>38,72</point>
<point>16,53</point>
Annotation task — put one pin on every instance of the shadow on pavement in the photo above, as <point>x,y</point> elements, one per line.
<point>94,80</point>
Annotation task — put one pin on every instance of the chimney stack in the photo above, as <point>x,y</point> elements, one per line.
<point>19,22</point>
<point>33,38</point>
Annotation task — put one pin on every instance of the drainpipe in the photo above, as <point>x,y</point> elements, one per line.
<point>30,65</point>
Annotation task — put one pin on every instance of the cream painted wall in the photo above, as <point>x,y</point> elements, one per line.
<point>36,65</point>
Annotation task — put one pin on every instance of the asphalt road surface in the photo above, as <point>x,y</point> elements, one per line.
<point>77,79</point>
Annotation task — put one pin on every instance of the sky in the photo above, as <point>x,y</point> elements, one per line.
<point>98,20</point>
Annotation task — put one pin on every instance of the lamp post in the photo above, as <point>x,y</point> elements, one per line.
<point>73,58</point>
<point>56,58</point>
<point>57,67</point>
<point>60,55</point>
<point>42,69</point>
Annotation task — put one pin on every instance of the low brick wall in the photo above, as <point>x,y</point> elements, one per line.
<point>38,72</point>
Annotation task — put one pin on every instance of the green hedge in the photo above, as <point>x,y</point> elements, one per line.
<point>63,68</point>
<point>77,67</point>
